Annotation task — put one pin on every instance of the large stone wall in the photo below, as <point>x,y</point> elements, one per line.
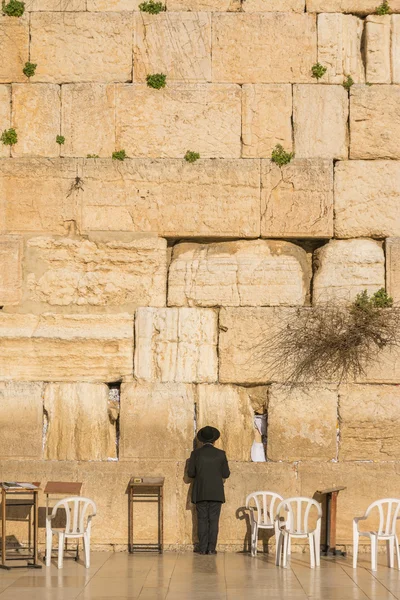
<point>133,293</point>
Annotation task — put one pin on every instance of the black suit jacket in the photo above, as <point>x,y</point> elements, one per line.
<point>208,466</point>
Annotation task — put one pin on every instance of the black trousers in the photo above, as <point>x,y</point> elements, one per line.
<point>208,513</point>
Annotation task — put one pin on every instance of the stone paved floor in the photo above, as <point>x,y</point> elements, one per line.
<point>193,577</point>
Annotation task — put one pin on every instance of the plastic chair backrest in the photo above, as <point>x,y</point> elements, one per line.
<point>298,513</point>
<point>75,508</point>
<point>266,504</point>
<point>388,509</point>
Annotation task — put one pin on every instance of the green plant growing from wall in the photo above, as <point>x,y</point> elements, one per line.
<point>9,137</point>
<point>348,82</point>
<point>280,156</point>
<point>119,155</point>
<point>29,69</point>
<point>318,70</point>
<point>156,81</point>
<point>92,156</point>
<point>383,9</point>
<point>152,7</point>
<point>14,8</point>
<point>60,139</point>
<point>191,157</point>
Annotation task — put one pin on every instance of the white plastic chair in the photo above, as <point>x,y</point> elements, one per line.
<point>265,505</point>
<point>77,525</point>
<point>388,509</point>
<point>297,525</point>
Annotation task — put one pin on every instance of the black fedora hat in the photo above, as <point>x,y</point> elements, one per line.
<point>208,434</point>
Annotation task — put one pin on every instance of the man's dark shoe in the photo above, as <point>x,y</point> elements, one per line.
<point>212,552</point>
<point>199,552</point>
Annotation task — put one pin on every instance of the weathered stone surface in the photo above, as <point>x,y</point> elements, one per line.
<point>88,119</point>
<point>375,121</point>
<point>320,114</point>
<point>55,5</point>
<point>37,195</point>
<point>395,55</point>
<point>260,59</point>
<point>156,420</point>
<point>78,425</point>
<point>205,5</point>
<point>54,347</point>
<point>89,273</point>
<point>166,123</point>
<point>176,44</point>
<point>242,273</point>
<point>176,345</point>
<point>369,422</point>
<point>266,119</point>
<point>10,269</point>
<point>5,116</point>
<point>64,52</point>
<point>274,5</point>
<point>228,408</point>
<point>36,117</point>
<point>112,5</point>
<point>242,330</point>
<point>392,256</point>
<point>339,47</point>
<point>172,198</point>
<point>21,415</point>
<point>302,423</point>
<point>361,7</point>
<point>377,49</point>
<point>297,199</point>
<point>14,43</point>
<point>344,268</point>
<point>367,199</point>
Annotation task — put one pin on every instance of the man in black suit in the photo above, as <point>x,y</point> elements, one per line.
<point>208,467</point>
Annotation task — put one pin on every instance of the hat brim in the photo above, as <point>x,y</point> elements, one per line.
<point>216,435</point>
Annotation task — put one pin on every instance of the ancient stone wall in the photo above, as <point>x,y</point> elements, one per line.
<point>133,292</point>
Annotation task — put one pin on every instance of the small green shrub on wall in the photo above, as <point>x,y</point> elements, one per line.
<point>156,81</point>
<point>14,8</point>
<point>191,157</point>
<point>60,139</point>
<point>29,69</point>
<point>152,7</point>
<point>318,70</point>
<point>383,9</point>
<point>280,156</point>
<point>348,82</point>
<point>9,137</point>
<point>119,155</point>
<point>92,156</point>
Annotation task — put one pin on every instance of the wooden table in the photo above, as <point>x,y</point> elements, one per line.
<point>146,489</point>
<point>32,557</point>
<point>63,489</point>
<point>331,495</point>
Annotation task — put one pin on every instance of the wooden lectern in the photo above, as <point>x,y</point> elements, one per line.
<point>330,510</point>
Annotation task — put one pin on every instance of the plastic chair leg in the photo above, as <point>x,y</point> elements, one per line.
<point>49,543</point>
<point>317,548</point>
<point>396,542</point>
<point>355,547</point>
<point>285,549</point>
<point>86,548</point>
<point>254,538</point>
<point>278,550</point>
<point>61,540</point>
<point>390,552</point>
<point>312,550</point>
<point>374,553</point>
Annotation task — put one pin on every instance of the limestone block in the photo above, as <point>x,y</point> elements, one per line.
<point>14,43</point>
<point>344,268</point>
<point>228,408</point>
<point>37,195</point>
<point>78,425</point>
<point>367,199</point>
<point>166,123</point>
<point>204,5</point>
<point>88,119</point>
<point>369,422</point>
<point>53,347</point>
<point>302,423</point>
<point>10,269</point>
<point>360,7</point>
<point>242,273</point>
<point>259,60</point>
<point>320,114</point>
<point>176,345</point>
<point>266,119</point>
<point>5,116</point>
<point>56,5</point>
<point>377,49</point>
<point>297,199</point>
<point>274,5</point>
<point>36,117</point>
<point>156,420</point>
<point>21,415</point>
<point>375,121</point>
<point>339,47</point>
<point>392,256</point>
<point>395,55</point>
<point>176,44</point>
<point>64,52</point>
<point>112,5</point>
<point>242,331</point>
<point>90,273</point>
<point>218,198</point>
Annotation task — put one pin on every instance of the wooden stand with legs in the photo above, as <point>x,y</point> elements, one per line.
<point>146,489</point>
